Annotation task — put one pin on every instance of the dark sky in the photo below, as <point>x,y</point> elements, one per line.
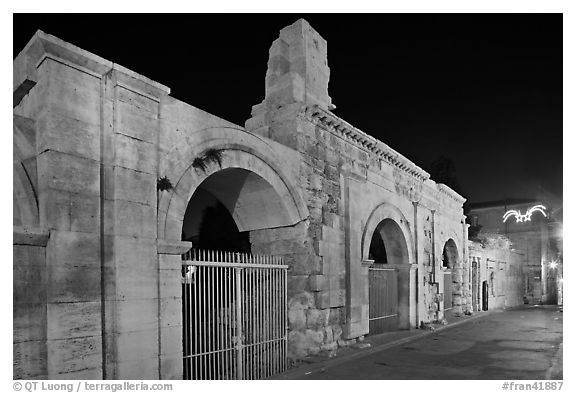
<point>484,90</point>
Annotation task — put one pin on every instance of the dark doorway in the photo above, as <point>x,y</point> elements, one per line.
<point>388,299</point>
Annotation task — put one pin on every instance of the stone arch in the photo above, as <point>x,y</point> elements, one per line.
<point>252,164</point>
<point>388,223</point>
<point>379,215</point>
<point>450,255</point>
<point>25,201</point>
<point>453,277</point>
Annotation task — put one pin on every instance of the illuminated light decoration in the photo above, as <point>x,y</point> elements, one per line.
<point>553,265</point>
<point>524,217</point>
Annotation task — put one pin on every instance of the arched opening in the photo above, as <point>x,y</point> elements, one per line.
<point>452,285</point>
<point>236,201</point>
<point>388,286</point>
<point>233,304</point>
<point>209,225</point>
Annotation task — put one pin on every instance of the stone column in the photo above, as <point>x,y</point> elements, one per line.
<point>356,272</point>
<point>404,271</point>
<point>417,271</point>
<point>170,307</point>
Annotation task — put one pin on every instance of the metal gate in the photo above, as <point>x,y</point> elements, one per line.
<point>448,290</point>
<point>234,311</point>
<point>383,299</point>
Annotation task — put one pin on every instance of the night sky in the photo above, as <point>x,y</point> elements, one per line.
<point>484,90</point>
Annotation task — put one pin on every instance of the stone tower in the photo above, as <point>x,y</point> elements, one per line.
<point>297,76</point>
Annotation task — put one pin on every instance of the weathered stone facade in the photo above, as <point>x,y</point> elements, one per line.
<point>91,138</point>
<point>501,269</point>
<point>532,238</point>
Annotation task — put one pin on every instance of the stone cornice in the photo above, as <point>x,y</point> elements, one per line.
<point>173,247</point>
<point>450,193</point>
<point>43,46</point>
<point>335,125</point>
<point>30,236</point>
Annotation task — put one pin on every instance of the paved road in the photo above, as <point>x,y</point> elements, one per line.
<point>514,344</point>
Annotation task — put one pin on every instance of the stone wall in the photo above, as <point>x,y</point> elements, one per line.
<point>347,177</point>
<point>91,140</point>
<point>504,271</point>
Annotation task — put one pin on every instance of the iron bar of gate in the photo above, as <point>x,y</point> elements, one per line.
<point>235,322</point>
<point>383,312</point>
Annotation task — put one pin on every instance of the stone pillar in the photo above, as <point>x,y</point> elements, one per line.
<point>414,301</point>
<point>417,271</point>
<point>404,271</point>
<point>69,192</point>
<point>357,304</point>
<point>29,300</point>
<point>297,76</point>
<point>97,136</point>
<point>170,307</point>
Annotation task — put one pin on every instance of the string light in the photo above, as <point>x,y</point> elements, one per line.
<point>524,217</point>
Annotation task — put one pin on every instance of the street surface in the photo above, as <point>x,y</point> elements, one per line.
<point>514,344</point>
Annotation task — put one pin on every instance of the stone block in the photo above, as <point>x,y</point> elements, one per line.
<point>331,234</point>
<point>337,298</point>
<point>171,311</point>
<point>170,262</point>
<point>302,343</point>
<point>305,264</point>
<point>135,186</point>
<point>29,359</point>
<point>83,374</point>
<point>137,123</point>
<point>170,281</point>
<point>28,322</point>
<point>336,316</point>
<point>136,315</point>
<point>72,320</point>
<point>297,284</point>
<point>29,284</point>
<point>68,135</point>
<point>72,93</point>
<point>332,220</point>
<point>322,299</point>
<point>138,283</point>
<point>171,340</point>
<point>135,154</point>
<point>73,355</point>
<point>138,254</point>
<point>67,172</point>
<point>332,173</point>
<point>328,334</point>
<point>301,301</point>
<point>296,318</point>
<point>173,229</point>
<point>316,319</point>
<point>171,367</point>
<point>138,101</point>
<point>54,207</point>
<point>137,345</point>
<point>337,332</point>
<point>139,369</point>
<point>135,219</point>
<point>318,283</point>
<point>84,213</point>
<point>73,283</point>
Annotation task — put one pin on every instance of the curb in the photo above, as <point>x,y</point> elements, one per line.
<point>556,368</point>
<point>312,368</point>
